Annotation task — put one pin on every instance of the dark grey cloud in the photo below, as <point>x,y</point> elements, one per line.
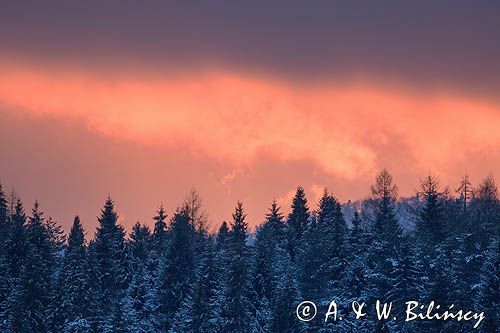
<point>427,43</point>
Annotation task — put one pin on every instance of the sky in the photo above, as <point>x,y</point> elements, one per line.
<point>242,101</point>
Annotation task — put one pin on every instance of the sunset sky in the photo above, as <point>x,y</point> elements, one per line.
<point>242,100</point>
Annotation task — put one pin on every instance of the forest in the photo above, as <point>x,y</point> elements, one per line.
<point>172,275</point>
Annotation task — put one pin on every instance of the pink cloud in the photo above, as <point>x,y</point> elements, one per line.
<point>233,117</point>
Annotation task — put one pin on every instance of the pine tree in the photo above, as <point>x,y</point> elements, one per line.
<point>297,221</point>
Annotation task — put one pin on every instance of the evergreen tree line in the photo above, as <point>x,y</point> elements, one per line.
<point>178,277</point>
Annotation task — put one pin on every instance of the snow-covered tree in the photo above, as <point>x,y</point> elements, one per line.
<point>72,303</point>
<point>297,221</point>
<point>488,297</point>
<point>238,304</point>
<point>176,269</point>
<point>108,278</point>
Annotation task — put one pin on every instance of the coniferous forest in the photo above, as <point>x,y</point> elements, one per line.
<point>172,275</point>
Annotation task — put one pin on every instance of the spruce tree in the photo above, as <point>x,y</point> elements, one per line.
<point>73,294</point>
<point>13,315</point>
<point>263,320</point>
<point>387,237</point>
<point>330,249</point>
<point>138,244</point>
<point>139,303</point>
<point>183,279</point>
<point>36,276</point>
<point>406,280</point>
<point>355,280</point>
<point>78,326</point>
<point>222,236</point>
<point>176,269</point>
<point>286,295</point>
<point>274,220</point>
<point>159,236</point>
<point>158,243</point>
<point>297,221</point>
<point>218,320</point>
<point>5,290</point>
<point>430,224</point>
<point>309,262</point>
<point>358,240</point>
<point>109,271</point>
<point>196,312</point>
<point>15,244</point>
<point>489,289</point>
<point>269,236</point>
<point>4,267</point>
<point>239,310</point>
<point>3,220</point>
<point>56,237</point>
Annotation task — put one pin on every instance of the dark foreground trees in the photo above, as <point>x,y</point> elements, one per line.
<point>175,276</point>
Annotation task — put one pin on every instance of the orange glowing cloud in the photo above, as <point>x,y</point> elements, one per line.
<point>233,117</point>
